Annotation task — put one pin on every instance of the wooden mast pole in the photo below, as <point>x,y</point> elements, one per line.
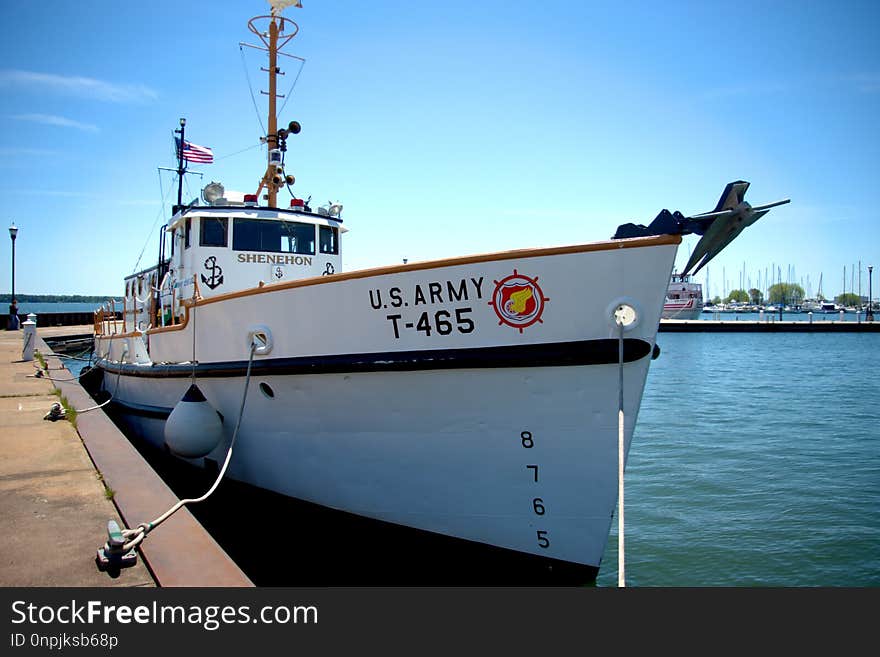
<point>272,137</point>
<point>274,41</point>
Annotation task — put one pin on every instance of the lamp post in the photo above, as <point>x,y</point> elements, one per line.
<point>869,316</point>
<point>13,307</point>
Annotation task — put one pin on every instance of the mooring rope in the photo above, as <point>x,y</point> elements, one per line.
<point>115,389</point>
<point>77,357</point>
<point>57,412</point>
<point>140,532</point>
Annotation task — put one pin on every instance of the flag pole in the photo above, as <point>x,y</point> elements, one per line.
<point>181,169</point>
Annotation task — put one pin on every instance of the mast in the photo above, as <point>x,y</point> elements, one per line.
<point>272,137</point>
<point>281,30</point>
<point>181,168</point>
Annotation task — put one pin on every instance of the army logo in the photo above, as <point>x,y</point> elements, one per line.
<point>518,301</point>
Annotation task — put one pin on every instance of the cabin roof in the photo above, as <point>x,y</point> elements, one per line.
<point>255,212</point>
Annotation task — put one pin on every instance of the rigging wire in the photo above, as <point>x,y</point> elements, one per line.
<point>164,195</point>
<point>302,64</point>
<point>155,221</point>
<point>251,89</point>
<point>243,150</point>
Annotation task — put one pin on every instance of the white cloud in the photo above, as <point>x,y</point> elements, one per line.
<point>136,202</point>
<point>47,192</point>
<point>51,119</point>
<point>867,82</point>
<point>743,90</point>
<point>863,82</point>
<point>14,152</point>
<point>79,86</point>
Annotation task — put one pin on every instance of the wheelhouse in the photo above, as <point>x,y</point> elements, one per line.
<point>219,249</point>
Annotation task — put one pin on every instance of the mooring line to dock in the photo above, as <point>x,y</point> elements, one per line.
<point>57,412</point>
<point>80,357</point>
<point>41,374</point>
<point>133,537</point>
<point>115,390</point>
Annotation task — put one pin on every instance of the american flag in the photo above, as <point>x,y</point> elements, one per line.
<point>195,153</point>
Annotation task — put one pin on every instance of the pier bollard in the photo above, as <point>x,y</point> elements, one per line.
<point>32,318</point>
<point>810,315</point>
<point>30,338</point>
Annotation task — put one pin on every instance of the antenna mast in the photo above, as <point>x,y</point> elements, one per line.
<point>281,30</point>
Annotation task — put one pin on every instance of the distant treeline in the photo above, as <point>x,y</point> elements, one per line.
<point>54,298</point>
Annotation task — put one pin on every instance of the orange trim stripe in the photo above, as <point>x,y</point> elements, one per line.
<point>611,245</point>
<point>638,242</point>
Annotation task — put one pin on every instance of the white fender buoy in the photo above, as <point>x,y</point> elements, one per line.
<point>193,429</point>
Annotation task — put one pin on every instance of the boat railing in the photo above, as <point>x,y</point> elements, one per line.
<point>107,319</point>
<point>172,305</point>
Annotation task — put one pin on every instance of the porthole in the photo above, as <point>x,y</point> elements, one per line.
<point>267,391</point>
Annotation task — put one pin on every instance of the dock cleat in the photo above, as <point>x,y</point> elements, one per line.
<point>114,556</point>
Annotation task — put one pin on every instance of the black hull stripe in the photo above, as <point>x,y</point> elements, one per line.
<point>556,354</point>
<point>141,410</point>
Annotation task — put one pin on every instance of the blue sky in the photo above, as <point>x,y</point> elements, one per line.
<point>448,128</point>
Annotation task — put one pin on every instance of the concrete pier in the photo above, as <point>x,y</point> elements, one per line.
<point>54,503</point>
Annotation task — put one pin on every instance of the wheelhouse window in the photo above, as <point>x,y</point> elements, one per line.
<point>213,231</point>
<point>328,239</point>
<point>188,230</point>
<point>273,236</point>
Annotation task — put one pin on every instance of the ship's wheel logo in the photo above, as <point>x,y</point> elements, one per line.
<point>518,301</point>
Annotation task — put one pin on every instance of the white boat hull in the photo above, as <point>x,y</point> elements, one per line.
<point>501,430</point>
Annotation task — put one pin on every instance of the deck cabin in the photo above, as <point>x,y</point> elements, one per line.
<point>226,246</point>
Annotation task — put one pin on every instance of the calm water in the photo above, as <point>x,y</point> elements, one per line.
<point>756,462</point>
<point>25,307</point>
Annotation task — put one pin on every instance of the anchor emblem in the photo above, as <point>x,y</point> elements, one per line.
<point>329,269</point>
<point>216,278</point>
<point>279,273</point>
